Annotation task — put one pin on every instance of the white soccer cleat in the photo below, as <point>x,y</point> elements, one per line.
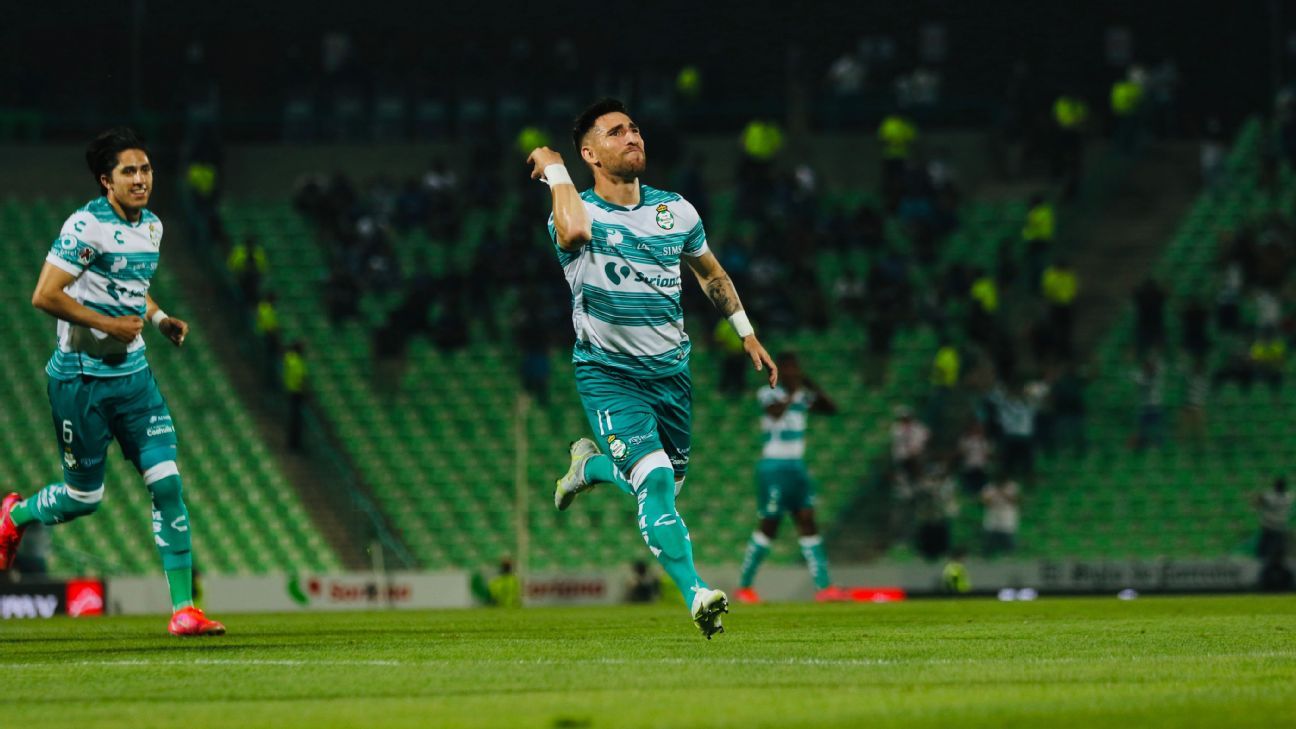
<point>708,606</point>
<point>573,482</point>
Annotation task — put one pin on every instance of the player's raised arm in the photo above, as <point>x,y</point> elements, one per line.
<point>572,225</point>
<point>720,289</point>
<point>172,328</point>
<point>50,298</point>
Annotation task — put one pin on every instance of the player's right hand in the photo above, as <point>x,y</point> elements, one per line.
<point>124,328</point>
<point>540,158</point>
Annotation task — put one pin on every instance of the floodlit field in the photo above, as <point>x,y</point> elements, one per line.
<point>1153,662</point>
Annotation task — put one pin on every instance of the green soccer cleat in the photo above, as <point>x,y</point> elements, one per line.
<point>573,482</point>
<point>708,606</point>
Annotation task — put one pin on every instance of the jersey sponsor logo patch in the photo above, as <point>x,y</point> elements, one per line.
<point>85,256</point>
<point>612,272</point>
<point>665,219</point>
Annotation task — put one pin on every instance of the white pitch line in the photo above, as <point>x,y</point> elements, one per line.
<point>791,661</point>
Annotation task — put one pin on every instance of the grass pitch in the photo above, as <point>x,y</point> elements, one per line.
<point>1154,662</point>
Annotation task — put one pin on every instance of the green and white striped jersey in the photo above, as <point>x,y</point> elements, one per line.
<point>114,261</point>
<point>626,283</point>
<point>785,436</point>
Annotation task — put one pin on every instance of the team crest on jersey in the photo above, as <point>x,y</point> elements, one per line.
<point>617,448</point>
<point>155,235</point>
<point>665,219</point>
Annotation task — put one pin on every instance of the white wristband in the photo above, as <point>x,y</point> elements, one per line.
<point>556,175</point>
<point>741,325</point>
<point>158,317</point>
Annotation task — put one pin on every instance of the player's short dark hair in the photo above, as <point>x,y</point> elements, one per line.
<point>586,120</point>
<point>102,153</point>
<point>786,356</point>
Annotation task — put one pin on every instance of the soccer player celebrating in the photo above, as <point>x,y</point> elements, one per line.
<point>783,484</point>
<point>620,246</point>
<point>95,281</point>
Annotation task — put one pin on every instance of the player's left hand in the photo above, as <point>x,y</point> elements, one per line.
<point>174,329</point>
<point>760,358</point>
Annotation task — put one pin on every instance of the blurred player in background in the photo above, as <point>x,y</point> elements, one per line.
<point>620,245</point>
<point>783,484</point>
<point>95,281</point>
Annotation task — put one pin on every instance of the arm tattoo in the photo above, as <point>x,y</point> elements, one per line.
<point>722,293</point>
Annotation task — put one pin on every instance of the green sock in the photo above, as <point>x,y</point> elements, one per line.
<point>180,582</point>
<point>816,559</point>
<point>664,531</point>
<point>600,469</point>
<point>21,514</point>
<point>55,504</point>
<point>171,532</point>
<point>757,547</point>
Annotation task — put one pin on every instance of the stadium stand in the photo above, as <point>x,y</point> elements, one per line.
<point>247,518</point>
<point>1183,499</point>
<point>439,449</point>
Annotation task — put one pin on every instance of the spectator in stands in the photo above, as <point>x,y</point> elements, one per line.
<point>1150,382</point>
<point>1274,508</point>
<point>266,326</point>
<point>1268,356</point>
<point>982,325</point>
<point>1016,408</point>
<point>897,135</point>
<point>248,264</point>
<point>1060,285</point>
<point>974,453</point>
<point>643,586</point>
<point>1038,234</point>
<point>1149,317</point>
<point>999,525</point>
<point>294,385</point>
<point>908,439</point>
<point>1071,116</point>
<point>935,506</point>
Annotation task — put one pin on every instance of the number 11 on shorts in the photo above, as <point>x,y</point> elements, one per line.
<point>604,417</point>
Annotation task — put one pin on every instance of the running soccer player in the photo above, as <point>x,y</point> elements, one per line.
<point>783,485</point>
<point>95,281</point>
<point>620,246</point>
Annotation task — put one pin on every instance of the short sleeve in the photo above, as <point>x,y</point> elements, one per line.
<point>767,397</point>
<point>695,243</point>
<point>564,257</point>
<point>78,244</point>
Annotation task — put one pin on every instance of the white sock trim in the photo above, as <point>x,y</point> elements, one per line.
<point>646,465</point>
<point>165,469</point>
<point>679,486</point>
<point>761,539</point>
<point>85,497</point>
<point>813,540</point>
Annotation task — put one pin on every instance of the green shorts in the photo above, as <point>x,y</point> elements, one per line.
<point>633,416</point>
<point>89,412</point>
<point>782,486</point>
